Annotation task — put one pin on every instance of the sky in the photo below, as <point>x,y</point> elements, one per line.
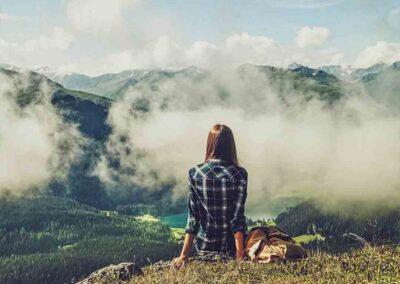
<point>103,36</point>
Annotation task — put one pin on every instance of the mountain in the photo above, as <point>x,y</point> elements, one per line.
<point>114,85</point>
<point>88,111</point>
<point>382,82</point>
<point>367,74</point>
<point>330,82</point>
<point>301,80</point>
<point>338,71</point>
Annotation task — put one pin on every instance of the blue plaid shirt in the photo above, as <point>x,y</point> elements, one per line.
<point>216,199</point>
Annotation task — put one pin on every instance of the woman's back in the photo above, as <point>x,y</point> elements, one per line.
<point>216,200</point>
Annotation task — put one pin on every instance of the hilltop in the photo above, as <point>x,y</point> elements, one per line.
<point>380,265</point>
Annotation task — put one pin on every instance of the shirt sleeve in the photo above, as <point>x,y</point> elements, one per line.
<point>193,221</point>
<point>238,222</point>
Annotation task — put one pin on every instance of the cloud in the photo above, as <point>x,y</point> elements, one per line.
<point>311,36</point>
<point>354,144</point>
<point>237,49</point>
<point>36,145</point>
<point>307,4</point>
<point>12,18</point>
<point>381,52</point>
<point>42,50</point>
<point>97,16</point>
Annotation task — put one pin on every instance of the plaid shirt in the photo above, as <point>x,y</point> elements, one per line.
<point>217,194</point>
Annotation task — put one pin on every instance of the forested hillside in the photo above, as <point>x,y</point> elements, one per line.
<point>52,240</point>
<point>377,226</point>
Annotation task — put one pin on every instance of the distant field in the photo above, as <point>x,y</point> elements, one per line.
<point>309,238</point>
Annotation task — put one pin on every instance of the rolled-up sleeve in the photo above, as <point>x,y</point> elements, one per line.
<point>193,220</point>
<point>238,222</point>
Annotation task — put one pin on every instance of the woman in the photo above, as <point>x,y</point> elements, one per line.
<point>217,195</point>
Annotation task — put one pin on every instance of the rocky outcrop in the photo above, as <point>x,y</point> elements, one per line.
<point>114,274</point>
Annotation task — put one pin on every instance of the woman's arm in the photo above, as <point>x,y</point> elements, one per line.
<point>180,262</point>
<point>238,223</point>
<point>192,226</point>
<point>239,243</point>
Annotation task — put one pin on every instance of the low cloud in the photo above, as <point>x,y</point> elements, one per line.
<point>381,52</point>
<point>292,149</point>
<point>166,53</point>
<point>36,145</point>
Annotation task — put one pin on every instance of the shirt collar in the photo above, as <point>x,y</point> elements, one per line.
<point>213,160</point>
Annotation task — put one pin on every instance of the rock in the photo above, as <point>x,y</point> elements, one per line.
<point>113,274</point>
<point>207,257</point>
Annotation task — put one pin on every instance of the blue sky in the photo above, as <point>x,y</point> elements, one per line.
<point>159,32</point>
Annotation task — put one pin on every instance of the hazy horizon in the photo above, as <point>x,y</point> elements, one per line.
<point>95,37</point>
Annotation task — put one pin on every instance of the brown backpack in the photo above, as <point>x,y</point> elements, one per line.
<point>266,244</point>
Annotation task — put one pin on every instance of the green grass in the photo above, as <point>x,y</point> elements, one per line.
<point>177,234</point>
<point>379,265</point>
<point>147,218</point>
<point>308,238</point>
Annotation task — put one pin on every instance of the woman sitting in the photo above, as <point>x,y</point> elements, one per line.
<point>216,200</point>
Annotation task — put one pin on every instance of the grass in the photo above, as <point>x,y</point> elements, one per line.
<point>147,218</point>
<point>378,265</point>
<point>308,238</point>
<point>177,234</point>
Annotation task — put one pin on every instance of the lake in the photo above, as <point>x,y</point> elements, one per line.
<point>175,220</point>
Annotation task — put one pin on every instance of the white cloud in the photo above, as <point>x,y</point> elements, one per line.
<point>381,52</point>
<point>163,52</point>
<point>97,16</point>
<point>39,51</point>
<point>271,134</point>
<point>307,4</point>
<point>60,39</point>
<point>237,49</point>
<point>311,36</point>
<point>12,18</point>
<point>36,145</point>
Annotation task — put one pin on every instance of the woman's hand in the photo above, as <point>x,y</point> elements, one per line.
<point>179,262</point>
<point>182,260</point>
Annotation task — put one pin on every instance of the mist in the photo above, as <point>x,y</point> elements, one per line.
<point>295,146</point>
<point>36,145</point>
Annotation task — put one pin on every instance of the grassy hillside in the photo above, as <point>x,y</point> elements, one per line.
<point>52,240</point>
<point>361,266</point>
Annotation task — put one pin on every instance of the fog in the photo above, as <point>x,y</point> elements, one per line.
<point>36,145</point>
<point>293,148</point>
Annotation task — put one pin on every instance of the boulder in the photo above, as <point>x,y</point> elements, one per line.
<point>113,274</point>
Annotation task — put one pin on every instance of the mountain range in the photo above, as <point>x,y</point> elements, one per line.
<point>86,100</point>
<point>114,85</point>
